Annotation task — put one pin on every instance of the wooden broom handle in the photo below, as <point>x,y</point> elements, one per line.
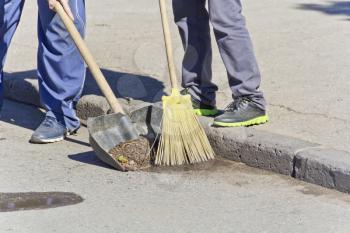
<point>168,43</point>
<point>89,59</point>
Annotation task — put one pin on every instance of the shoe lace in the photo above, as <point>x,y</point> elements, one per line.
<point>236,104</point>
<point>49,122</point>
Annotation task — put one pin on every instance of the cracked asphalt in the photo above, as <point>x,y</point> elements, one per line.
<point>224,197</point>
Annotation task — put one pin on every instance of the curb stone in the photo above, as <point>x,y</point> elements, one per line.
<point>285,155</point>
<point>91,106</point>
<point>94,106</point>
<point>324,166</point>
<point>255,148</point>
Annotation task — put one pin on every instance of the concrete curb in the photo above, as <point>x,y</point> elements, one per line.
<point>256,148</point>
<point>303,160</point>
<point>324,166</point>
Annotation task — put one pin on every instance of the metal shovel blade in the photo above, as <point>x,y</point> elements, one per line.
<point>108,131</point>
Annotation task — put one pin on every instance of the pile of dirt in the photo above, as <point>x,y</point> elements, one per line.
<point>134,155</point>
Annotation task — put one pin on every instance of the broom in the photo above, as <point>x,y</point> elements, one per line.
<point>183,140</point>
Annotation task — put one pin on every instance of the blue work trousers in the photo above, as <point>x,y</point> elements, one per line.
<point>61,70</point>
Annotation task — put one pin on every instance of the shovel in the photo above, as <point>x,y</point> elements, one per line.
<point>106,132</point>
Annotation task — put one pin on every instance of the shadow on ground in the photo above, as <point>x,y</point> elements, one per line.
<point>23,86</point>
<point>332,8</point>
<point>17,114</point>
<point>30,117</point>
<point>89,158</point>
<point>127,85</point>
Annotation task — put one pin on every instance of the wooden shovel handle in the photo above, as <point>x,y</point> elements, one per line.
<point>168,43</point>
<point>89,59</point>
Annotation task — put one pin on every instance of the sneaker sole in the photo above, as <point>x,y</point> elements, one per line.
<point>205,112</point>
<point>46,141</point>
<point>256,121</point>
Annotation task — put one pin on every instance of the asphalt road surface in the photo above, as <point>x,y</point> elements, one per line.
<point>224,197</point>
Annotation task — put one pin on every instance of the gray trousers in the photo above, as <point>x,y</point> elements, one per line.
<point>234,44</point>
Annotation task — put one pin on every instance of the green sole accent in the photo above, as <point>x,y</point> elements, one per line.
<point>205,112</point>
<point>255,121</point>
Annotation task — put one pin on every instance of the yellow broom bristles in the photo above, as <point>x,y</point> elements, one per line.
<point>183,140</point>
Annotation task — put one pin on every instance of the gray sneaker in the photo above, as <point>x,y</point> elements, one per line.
<point>50,131</point>
<point>241,112</point>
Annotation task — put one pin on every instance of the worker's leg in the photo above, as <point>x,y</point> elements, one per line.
<point>10,14</point>
<point>237,53</point>
<point>192,19</point>
<point>236,49</point>
<point>61,69</point>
